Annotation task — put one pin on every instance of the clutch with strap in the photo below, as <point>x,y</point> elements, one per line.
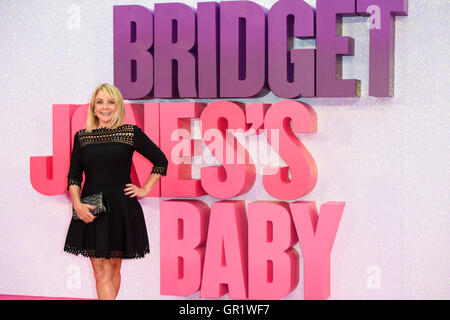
<point>98,200</point>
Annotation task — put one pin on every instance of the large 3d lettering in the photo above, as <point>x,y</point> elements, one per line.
<point>235,176</point>
<point>273,263</point>
<point>331,48</point>
<point>225,265</point>
<point>175,120</point>
<point>291,71</point>
<point>183,226</point>
<point>252,259</point>
<point>382,44</point>
<point>133,61</point>
<point>300,162</point>
<point>316,236</point>
<point>48,174</point>
<point>174,38</point>
<point>242,48</point>
<point>177,61</point>
<point>207,49</point>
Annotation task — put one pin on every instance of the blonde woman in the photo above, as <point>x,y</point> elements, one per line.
<point>103,151</point>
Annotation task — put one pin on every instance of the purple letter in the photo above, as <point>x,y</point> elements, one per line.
<point>382,43</point>
<point>207,44</point>
<point>174,64</point>
<point>331,48</point>
<point>291,71</point>
<point>133,37</point>
<point>242,48</point>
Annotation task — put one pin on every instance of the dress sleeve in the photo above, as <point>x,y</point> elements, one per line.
<point>75,175</point>
<point>151,151</point>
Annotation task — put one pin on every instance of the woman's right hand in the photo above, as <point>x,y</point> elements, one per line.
<point>82,210</point>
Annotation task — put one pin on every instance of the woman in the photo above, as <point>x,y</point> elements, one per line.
<point>104,150</point>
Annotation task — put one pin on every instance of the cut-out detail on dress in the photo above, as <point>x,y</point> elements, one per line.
<point>73,181</point>
<point>123,133</point>
<point>109,254</point>
<point>160,170</point>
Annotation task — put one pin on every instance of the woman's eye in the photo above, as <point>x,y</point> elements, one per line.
<point>111,102</point>
<point>99,102</point>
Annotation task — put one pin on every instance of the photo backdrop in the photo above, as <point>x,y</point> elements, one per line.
<point>387,158</point>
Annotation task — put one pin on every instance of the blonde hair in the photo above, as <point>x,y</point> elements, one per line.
<point>112,93</point>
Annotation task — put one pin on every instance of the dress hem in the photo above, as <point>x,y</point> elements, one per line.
<point>114,254</point>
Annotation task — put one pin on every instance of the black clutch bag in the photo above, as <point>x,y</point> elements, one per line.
<point>98,200</point>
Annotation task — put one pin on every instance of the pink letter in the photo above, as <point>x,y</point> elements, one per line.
<point>183,227</point>
<point>273,263</point>
<point>225,267</point>
<point>233,178</point>
<point>299,160</point>
<point>316,234</point>
<point>48,174</point>
<point>178,182</point>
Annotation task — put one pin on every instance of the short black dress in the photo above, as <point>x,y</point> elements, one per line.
<point>105,156</point>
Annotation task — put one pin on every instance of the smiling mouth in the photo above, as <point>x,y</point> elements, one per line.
<point>105,114</point>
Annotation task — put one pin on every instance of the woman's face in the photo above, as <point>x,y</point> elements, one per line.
<point>104,108</point>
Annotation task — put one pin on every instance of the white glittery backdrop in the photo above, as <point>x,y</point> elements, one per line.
<point>387,158</point>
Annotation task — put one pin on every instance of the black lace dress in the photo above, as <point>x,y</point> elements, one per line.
<point>105,156</point>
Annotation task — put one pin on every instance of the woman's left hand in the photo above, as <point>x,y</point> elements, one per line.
<point>134,191</point>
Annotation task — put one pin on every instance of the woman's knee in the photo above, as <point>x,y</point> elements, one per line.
<point>103,270</point>
<point>116,264</point>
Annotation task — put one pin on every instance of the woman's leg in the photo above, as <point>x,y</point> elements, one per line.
<point>103,273</point>
<point>116,264</point>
